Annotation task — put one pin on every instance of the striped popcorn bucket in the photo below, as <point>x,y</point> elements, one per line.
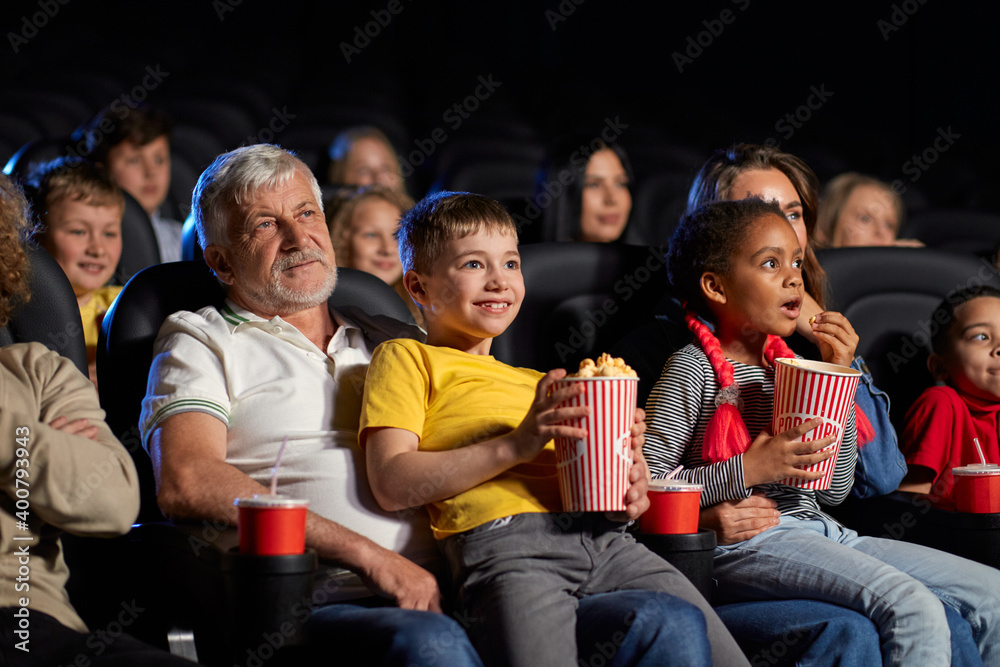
<point>804,390</point>
<point>593,473</point>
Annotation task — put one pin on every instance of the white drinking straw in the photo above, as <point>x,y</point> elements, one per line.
<point>277,463</point>
<point>674,472</point>
<point>979,449</point>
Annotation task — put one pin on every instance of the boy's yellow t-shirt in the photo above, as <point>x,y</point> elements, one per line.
<point>93,313</point>
<point>450,399</point>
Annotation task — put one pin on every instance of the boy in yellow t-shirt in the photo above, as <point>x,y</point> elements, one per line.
<point>446,425</point>
<point>80,210</point>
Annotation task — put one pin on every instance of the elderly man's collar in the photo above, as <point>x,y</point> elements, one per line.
<point>377,328</point>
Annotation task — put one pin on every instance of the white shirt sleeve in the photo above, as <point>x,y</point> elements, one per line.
<point>187,373</point>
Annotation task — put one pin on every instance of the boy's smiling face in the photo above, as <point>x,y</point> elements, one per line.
<point>473,291</point>
<point>971,363</point>
<point>86,241</point>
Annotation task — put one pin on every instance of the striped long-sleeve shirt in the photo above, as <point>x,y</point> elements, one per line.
<point>678,411</point>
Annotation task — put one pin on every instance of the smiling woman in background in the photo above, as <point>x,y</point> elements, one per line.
<point>584,193</point>
<point>858,210</point>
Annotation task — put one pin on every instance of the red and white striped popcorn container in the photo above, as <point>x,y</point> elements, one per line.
<point>593,473</point>
<point>804,390</point>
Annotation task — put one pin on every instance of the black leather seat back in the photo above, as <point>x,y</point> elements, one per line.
<point>52,316</point>
<point>580,299</point>
<point>139,246</point>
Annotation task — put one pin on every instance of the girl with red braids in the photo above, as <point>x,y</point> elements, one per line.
<point>737,265</point>
<point>745,170</point>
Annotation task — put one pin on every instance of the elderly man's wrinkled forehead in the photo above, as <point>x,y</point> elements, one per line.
<point>249,203</point>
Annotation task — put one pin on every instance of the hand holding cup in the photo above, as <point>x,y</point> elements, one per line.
<point>594,470</point>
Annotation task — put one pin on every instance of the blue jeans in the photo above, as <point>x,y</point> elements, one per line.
<point>896,584</point>
<point>805,633</point>
<point>348,634</point>
<point>639,628</point>
<point>551,589</point>
<point>809,633</point>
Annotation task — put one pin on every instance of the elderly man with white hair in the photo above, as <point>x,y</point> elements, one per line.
<point>228,385</point>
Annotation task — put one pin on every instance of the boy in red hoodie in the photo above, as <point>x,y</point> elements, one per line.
<point>945,419</point>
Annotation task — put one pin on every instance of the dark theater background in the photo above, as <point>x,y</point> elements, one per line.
<point>471,94</point>
<point>903,90</point>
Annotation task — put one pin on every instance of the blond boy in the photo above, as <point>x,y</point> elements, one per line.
<point>80,210</point>
<point>447,426</point>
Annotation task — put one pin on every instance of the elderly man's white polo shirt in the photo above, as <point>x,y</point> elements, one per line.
<point>265,380</point>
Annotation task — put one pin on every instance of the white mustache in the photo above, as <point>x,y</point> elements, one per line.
<point>298,257</point>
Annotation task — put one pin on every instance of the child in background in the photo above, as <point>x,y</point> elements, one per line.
<point>944,420</point>
<point>738,266</point>
<point>363,232</point>
<point>858,210</point>
<point>539,586</point>
<point>134,146</point>
<point>80,210</point>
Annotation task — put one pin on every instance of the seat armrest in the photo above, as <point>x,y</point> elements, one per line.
<point>233,602</point>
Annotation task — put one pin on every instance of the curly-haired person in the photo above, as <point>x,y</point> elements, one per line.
<point>54,437</point>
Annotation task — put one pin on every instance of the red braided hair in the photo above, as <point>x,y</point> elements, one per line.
<point>726,434</point>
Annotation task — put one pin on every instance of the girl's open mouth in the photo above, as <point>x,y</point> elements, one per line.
<point>791,307</point>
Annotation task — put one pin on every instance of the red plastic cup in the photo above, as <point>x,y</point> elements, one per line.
<point>804,390</point>
<point>977,488</point>
<point>593,473</point>
<point>673,507</point>
<point>271,525</point>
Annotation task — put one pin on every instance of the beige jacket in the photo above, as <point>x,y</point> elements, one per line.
<point>70,483</point>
